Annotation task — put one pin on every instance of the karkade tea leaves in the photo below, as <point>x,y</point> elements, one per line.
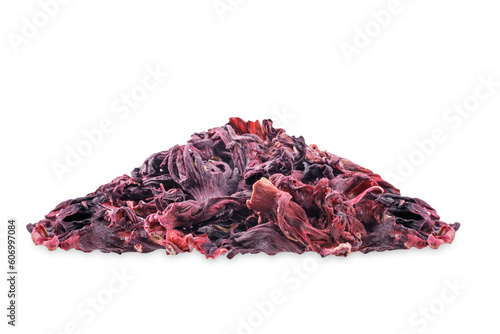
<point>245,187</point>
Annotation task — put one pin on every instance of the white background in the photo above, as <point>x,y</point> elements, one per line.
<point>263,59</point>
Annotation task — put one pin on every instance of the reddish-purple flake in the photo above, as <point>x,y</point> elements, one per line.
<point>245,187</point>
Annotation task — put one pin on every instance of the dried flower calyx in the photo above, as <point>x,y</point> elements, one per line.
<point>245,187</point>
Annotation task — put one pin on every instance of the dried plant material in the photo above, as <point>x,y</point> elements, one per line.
<point>245,187</point>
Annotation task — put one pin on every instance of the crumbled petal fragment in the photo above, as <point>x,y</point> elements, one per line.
<point>245,187</point>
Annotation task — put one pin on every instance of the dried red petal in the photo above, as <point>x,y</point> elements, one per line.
<point>245,187</point>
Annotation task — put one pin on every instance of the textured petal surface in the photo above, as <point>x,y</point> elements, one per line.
<point>245,187</point>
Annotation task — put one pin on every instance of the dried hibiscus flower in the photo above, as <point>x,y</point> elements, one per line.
<point>245,187</point>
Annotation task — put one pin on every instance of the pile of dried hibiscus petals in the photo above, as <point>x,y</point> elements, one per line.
<point>245,187</point>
